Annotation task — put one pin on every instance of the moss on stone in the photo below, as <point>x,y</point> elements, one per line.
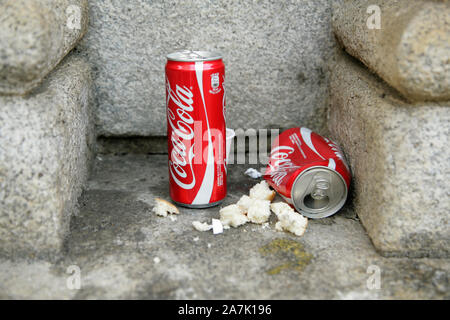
<point>291,252</point>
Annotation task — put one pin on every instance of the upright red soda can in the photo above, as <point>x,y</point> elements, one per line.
<point>196,130</point>
<point>309,172</point>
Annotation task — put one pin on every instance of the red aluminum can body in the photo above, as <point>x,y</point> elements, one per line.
<point>196,129</point>
<point>309,171</point>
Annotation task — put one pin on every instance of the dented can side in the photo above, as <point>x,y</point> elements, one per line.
<point>309,171</point>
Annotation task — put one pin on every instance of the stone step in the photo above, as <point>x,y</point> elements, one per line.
<point>400,160</point>
<point>119,249</point>
<point>411,49</point>
<point>275,55</point>
<point>46,142</point>
<point>35,35</point>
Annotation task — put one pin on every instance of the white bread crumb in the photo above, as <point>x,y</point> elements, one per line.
<point>279,207</point>
<point>156,260</point>
<point>202,226</point>
<point>196,239</point>
<point>163,207</point>
<point>259,211</point>
<point>217,226</point>
<point>288,219</point>
<point>244,203</point>
<point>292,222</point>
<point>278,226</point>
<point>262,191</point>
<point>232,215</point>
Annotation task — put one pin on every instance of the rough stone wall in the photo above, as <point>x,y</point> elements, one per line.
<point>275,54</point>
<point>46,146</point>
<point>399,158</point>
<point>410,51</point>
<point>394,129</point>
<point>35,35</point>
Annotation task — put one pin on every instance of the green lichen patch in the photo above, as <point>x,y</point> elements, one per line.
<point>291,253</point>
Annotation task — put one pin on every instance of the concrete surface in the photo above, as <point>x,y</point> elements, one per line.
<point>275,54</point>
<point>115,239</point>
<point>410,51</point>
<point>35,35</point>
<point>400,161</point>
<point>46,144</point>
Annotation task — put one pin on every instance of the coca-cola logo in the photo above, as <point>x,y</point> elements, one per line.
<point>337,151</point>
<point>182,134</point>
<point>280,163</point>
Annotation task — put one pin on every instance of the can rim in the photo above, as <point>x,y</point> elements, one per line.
<point>193,56</point>
<point>325,214</point>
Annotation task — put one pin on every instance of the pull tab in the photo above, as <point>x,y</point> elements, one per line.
<point>320,188</point>
<point>317,193</point>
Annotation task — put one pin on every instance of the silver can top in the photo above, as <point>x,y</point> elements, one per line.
<point>191,56</point>
<point>319,192</point>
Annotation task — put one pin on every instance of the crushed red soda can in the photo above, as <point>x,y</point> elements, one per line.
<point>309,172</point>
<point>196,130</point>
